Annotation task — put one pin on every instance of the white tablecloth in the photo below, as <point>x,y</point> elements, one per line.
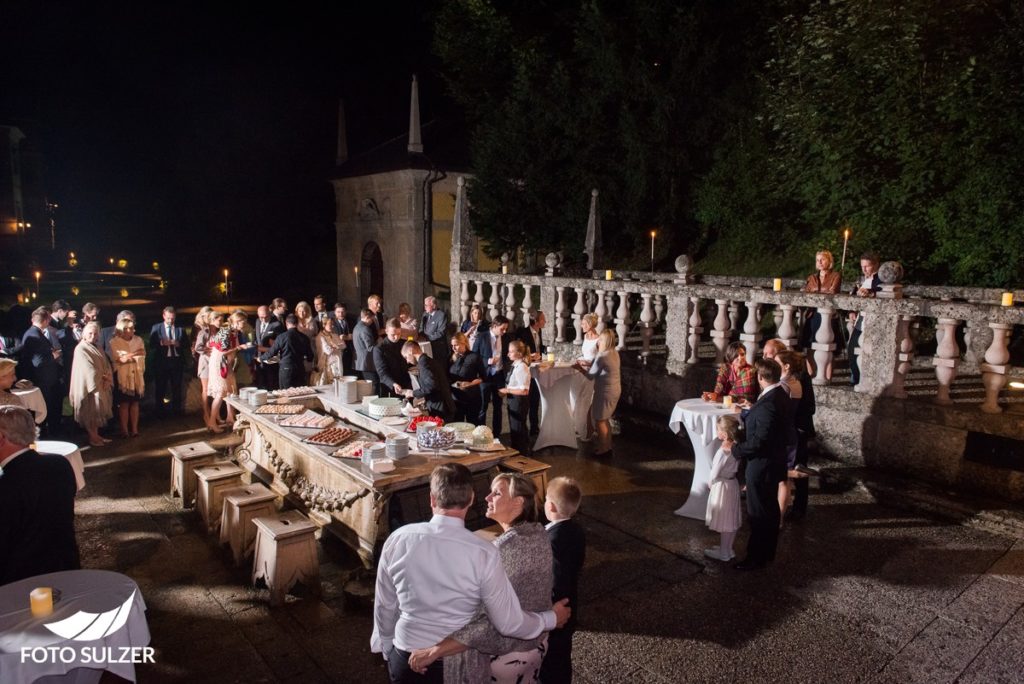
<point>113,597</point>
<point>697,417</point>
<point>69,451</point>
<point>565,398</point>
<point>33,400</point>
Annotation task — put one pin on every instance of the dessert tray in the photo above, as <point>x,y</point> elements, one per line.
<point>309,419</point>
<point>330,437</point>
<point>294,392</point>
<point>353,449</point>
<point>424,419</point>
<point>287,409</point>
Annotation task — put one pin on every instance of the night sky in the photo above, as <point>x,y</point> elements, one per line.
<point>205,138</point>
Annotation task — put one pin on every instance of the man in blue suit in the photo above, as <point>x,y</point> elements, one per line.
<point>39,364</point>
<point>168,342</point>
<point>492,346</point>
<point>867,287</point>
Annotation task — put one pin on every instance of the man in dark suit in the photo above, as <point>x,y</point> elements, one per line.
<point>293,349</point>
<point>533,337</point>
<point>433,381</point>
<point>37,504</point>
<point>340,326</point>
<point>492,346</point>
<point>10,348</point>
<point>764,449</point>
<point>364,339</point>
<point>39,365</point>
<point>389,363</point>
<point>434,327</point>
<point>868,286</point>
<point>169,343</point>
<point>568,551</point>
<point>267,328</point>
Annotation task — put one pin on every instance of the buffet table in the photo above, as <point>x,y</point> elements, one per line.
<point>341,494</point>
<point>698,417</point>
<point>565,398</point>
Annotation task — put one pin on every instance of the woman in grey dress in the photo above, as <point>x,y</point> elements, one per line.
<point>605,371</point>
<point>477,652</point>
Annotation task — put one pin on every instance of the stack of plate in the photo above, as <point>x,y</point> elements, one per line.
<point>397,447</point>
<point>258,397</point>
<point>385,407</point>
<point>374,452</point>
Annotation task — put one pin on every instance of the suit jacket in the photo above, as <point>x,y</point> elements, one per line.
<point>568,550</point>
<point>364,339</point>
<point>525,335</point>
<point>10,348</point>
<point>339,326</point>
<point>264,334</point>
<point>434,387</point>
<point>764,445</point>
<point>293,347</point>
<point>107,334</point>
<point>37,507</point>
<point>434,325</point>
<point>876,285</point>
<point>484,349</point>
<point>158,334</point>
<point>37,362</point>
<point>390,365</point>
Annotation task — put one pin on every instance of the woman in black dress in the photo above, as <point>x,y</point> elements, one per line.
<point>466,373</point>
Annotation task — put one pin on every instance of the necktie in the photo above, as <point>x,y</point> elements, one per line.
<point>171,351</point>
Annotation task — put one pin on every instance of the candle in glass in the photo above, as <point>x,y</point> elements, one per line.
<point>1007,299</point>
<point>777,284</point>
<point>41,601</point>
<point>608,275</point>
<point>504,269</point>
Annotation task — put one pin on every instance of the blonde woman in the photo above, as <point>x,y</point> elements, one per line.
<point>309,327</point>
<point>589,326</point>
<point>328,348</point>
<point>128,353</point>
<point>407,322</point>
<point>201,354</point>
<point>605,371</point>
<point>223,348</point>
<point>91,385</point>
<point>8,377</point>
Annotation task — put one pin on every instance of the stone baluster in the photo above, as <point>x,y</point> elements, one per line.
<point>995,368</point>
<point>946,359</point>
<point>578,312</point>
<point>659,310</point>
<point>648,320</point>
<point>777,319</point>
<point>695,330</point>
<point>510,302</point>
<point>494,302</point>
<point>787,331</point>
<point>609,308</point>
<point>560,315</point>
<point>751,335</point>
<point>622,320</point>
<point>734,319</point>
<point>824,346</point>
<point>527,306</point>
<point>463,300</point>
<point>904,357</point>
<point>600,311</point>
<point>478,298</point>
<point>720,334</point>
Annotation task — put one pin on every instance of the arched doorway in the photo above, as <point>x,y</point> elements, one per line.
<point>371,269</point>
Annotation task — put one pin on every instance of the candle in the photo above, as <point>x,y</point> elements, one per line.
<point>551,357</point>
<point>653,233</point>
<point>727,401</point>
<point>41,601</point>
<point>777,284</point>
<point>608,275</point>
<point>356,271</point>
<point>1007,299</point>
<point>504,269</point>
<point>846,239</point>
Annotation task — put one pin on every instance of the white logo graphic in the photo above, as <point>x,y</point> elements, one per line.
<point>83,626</point>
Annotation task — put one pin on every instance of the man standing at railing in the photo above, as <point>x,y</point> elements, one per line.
<point>867,287</point>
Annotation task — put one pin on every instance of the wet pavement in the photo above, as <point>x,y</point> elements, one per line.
<point>885,580</point>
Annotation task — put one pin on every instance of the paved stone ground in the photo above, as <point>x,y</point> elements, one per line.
<point>885,581</point>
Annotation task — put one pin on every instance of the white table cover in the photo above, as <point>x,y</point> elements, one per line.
<point>565,398</point>
<point>32,399</point>
<point>697,417</point>
<point>98,592</point>
<point>69,451</point>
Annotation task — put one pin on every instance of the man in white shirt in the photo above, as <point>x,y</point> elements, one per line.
<point>434,576</point>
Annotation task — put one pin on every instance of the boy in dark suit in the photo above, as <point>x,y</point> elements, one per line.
<point>568,548</point>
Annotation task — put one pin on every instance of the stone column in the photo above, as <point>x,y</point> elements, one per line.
<point>880,341</point>
<point>946,360</point>
<point>463,300</point>
<point>751,335</point>
<point>695,330</point>
<point>495,301</point>
<point>677,332</point>
<point>510,302</point>
<point>578,312</point>
<point>904,358</point>
<point>478,297</point>
<point>993,371</point>
<point>824,346</point>
<point>600,311</point>
<point>622,319</point>
<point>787,331</point>
<point>647,319</point>
<point>527,305</point>
<point>720,335</point>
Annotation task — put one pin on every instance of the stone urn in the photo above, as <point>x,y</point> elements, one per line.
<point>684,268</point>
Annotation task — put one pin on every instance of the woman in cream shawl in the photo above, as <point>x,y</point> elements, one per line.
<point>91,384</point>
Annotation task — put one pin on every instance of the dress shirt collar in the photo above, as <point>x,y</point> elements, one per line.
<point>13,456</point>
<point>555,522</point>
<point>448,520</point>
<point>768,389</point>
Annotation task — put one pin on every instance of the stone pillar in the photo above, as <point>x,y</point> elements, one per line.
<point>946,360</point>
<point>578,312</point>
<point>622,319</point>
<point>648,320</point>
<point>559,314</point>
<point>659,309</point>
<point>720,335</point>
<point>904,358</point>
<point>677,332</point>
<point>478,297</point>
<point>977,340</point>
<point>824,346</point>
<point>600,311</point>
<point>495,301</point>
<point>993,371</point>
<point>734,319</point>
<point>527,305</point>
<point>548,306</point>
<point>879,344</point>
<point>510,302</point>
<point>463,299</point>
<point>695,330</point>
<point>787,330</point>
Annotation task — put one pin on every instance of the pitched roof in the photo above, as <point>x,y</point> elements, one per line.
<point>445,143</point>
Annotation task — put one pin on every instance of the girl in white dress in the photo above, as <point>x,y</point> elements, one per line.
<point>723,514</point>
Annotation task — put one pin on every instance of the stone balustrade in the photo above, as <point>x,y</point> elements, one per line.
<point>644,308</point>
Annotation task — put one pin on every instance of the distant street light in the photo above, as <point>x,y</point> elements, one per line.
<point>227,294</point>
<point>38,275</point>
